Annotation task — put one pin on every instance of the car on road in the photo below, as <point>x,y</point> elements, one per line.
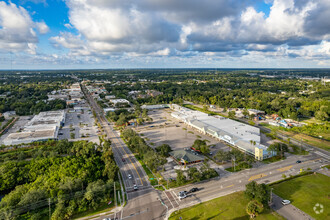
<point>193,190</point>
<point>123,159</point>
<point>285,202</point>
<point>129,176</point>
<point>135,187</point>
<point>182,194</point>
<point>298,161</point>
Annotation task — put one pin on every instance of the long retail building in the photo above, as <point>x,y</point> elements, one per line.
<point>242,136</point>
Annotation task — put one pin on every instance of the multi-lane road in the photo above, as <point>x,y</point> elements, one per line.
<point>144,202</point>
<point>148,203</point>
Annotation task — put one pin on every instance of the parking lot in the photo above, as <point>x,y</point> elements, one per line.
<point>19,124</point>
<point>79,125</point>
<point>168,130</point>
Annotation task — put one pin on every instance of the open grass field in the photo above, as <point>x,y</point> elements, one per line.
<point>305,192</point>
<point>228,207</point>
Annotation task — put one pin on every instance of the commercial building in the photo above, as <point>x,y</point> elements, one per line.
<point>242,136</point>
<point>43,126</point>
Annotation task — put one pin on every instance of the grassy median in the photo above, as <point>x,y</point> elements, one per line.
<point>232,206</point>
<point>307,191</point>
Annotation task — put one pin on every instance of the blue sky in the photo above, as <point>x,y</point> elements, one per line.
<point>64,34</point>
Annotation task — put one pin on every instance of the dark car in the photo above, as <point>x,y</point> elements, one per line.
<point>298,161</point>
<point>123,159</point>
<point>193,190</point>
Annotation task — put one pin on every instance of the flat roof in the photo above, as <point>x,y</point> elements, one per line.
<point>30,136</point>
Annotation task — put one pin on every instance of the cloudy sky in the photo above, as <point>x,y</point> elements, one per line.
<point>62,34</point>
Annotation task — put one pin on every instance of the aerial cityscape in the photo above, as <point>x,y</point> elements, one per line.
<point>163,109</point>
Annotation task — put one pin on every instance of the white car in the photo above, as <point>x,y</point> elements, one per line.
<point>129,176</point>
<point>285,202</point>
<point>182,195</point>
<point>135,187</point>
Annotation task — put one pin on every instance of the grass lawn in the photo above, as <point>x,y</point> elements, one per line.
<point>306,191</point>
<point>232,206</point>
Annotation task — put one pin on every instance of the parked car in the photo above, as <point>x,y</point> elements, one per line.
<point>285,202</point>
<point>129,176</point>
<point>123,159</point>
<point>135,187</point>
<point>298,161</point>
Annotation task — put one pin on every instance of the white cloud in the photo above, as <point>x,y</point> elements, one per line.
<point>17,29</point>
<point>42,27</point>
<point>216,28</point>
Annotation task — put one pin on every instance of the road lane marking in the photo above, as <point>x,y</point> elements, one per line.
<point>284,168</point>
<point>258,176</point>
<point>229,186</point>
<point>129,159</point>
<point>104,120</point>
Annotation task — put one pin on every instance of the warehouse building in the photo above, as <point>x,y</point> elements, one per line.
<point>242,136</point>
<point>42,127</point>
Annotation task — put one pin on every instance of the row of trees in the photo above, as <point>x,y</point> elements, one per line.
<point>137,145</point>
<point>239,159</point>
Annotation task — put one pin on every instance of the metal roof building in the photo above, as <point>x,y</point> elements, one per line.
<point>241,135</point>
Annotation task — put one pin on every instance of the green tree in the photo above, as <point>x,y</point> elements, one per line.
<point>231,114</point>
<point>164,150</point>
<point>254,208</point>
<point>222,155</point>
<point>180,178</point>
<point>259,192</point>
